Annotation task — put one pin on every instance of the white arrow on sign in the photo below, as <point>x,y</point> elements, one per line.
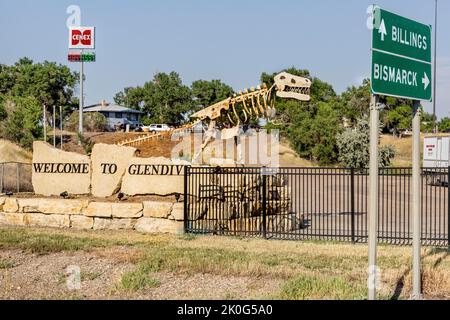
<point>382,30</point>
<point>425,81</point>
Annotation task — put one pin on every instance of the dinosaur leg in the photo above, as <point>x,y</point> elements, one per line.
<point>210,133</point>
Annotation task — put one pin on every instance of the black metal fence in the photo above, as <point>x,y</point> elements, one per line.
<point>313,203</point>
<point>15,177</point>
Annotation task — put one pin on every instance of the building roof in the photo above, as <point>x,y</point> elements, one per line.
<point>106,107</point>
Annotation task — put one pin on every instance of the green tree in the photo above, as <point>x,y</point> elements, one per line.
<point>22,123</point>
<point>165,99</point>
<point>92,122</point>
<point>444,124</point>
<point>207,93</point>
<point>51,84</point>
<point>354,102</point>
<point>354,146</point>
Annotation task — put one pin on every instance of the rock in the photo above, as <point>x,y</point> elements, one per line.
<point>157,209</point>
<point>113,224</point>
<point>160,176</point>
<point>155,225</point>
<point>109,163</point>
<point>81,222</point>
<point>52,206</point>
<point>99,209</point>
<point>47,220</point>
<point>10,205</point>
<point>56,171</point>
<point>177,212</point>
<point>127,210</point>
<point>14,219</point>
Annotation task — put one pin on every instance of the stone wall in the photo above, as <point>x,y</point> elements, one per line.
<point>145,217</point>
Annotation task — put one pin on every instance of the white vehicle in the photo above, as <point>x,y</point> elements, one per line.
<point>154,128</point>
<point>436,155</point>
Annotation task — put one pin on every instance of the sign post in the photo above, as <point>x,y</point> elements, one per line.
<point>81,38</point>
<point>416,204</point>
<point>373,206</point>
<point>401,67</point>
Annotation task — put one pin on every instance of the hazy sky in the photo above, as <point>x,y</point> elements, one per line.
<point>231,40</point>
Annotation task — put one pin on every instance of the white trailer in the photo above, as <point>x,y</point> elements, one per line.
<point>436,158</point>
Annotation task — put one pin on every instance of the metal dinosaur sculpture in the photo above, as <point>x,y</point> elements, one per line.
<point>232,113</point>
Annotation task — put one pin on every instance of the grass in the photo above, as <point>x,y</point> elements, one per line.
<point>320,288</point>
<point>138,279</point>
<point>306,270</point>
<point>6,264</point>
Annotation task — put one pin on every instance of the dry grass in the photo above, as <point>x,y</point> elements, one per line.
<point>403,148</point>
<point>306,270</point>
<point>9,152</point>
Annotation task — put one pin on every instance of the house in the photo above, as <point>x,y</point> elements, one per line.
<point>116,116</point>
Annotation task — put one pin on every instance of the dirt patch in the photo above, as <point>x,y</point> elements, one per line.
<point>32,276</point>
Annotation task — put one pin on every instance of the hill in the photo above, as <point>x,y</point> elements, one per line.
<point>10,152</point>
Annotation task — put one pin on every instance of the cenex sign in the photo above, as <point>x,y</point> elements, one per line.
<point>401,57</point>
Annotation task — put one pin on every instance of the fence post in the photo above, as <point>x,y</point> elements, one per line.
<point>448,206</point>
<point>18,177</point>
<point>352,199</point>
<point>185,198</point>
<point>264,203</point>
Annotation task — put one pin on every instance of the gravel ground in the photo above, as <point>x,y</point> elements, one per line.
<point>32,276</point>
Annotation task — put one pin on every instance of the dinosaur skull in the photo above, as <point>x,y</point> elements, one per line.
<point>290,86</point>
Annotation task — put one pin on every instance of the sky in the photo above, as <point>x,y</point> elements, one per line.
<point>234,41</point>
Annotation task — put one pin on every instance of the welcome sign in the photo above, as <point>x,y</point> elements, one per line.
<point>109,170</point>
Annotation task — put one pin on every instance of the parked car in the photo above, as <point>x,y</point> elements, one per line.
<point>154,128</point>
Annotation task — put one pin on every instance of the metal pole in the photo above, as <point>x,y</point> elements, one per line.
<point>373,206</point>
<point>264,204</point>
<point>416,203</point>
<point>54,126</point>
<point>80,120</point>
<point>61,125</point>
<point>448,206</point>
<point>45,121</point>
<point>352,199</point>
<point>435,127</point>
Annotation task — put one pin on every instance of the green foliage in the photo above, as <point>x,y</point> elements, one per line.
<point>427,122</point>
<point>92,122</point>
<point>21,123</point>
<point>24,88</point>
<point>165,99</point>
<point>313,131</point>
<point>444,125</point>
<point>207,93</point>
<point>354,102</point>
<point>47,82</point>
<point>354,147</point>
<point>399,118</point>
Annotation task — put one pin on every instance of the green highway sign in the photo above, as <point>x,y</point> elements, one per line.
<point>401,57</point>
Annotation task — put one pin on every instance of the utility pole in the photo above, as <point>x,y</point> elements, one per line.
<point>373,205</point>
<point>80,120</point>
<point>435,127</point>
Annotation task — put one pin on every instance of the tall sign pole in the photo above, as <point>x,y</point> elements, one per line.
<point>416,203</point>
<point>81,106</point>
<point>81,38</point>
<point>373,206</point>
<point>435,127</point>
<point>401,67</point>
